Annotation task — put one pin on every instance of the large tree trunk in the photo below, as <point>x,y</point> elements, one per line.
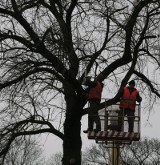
<point>72,143</point>
<point>72,140</point>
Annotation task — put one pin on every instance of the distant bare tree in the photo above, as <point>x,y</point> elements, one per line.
<point>144,152</point>
<point>24,152</point>
<point>96,154</point>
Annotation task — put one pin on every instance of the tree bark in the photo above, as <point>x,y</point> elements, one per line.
<point>72,143</point>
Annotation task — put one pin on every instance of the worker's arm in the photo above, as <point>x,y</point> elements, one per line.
<point>138,97</point>
<point>121,92</point>
<point>90,83</point>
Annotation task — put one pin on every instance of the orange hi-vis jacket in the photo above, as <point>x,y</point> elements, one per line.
<point>95,92</point>
<point>129,99</point>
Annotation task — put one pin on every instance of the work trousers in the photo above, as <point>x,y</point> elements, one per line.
<point>93,115</point>
<point>130,117</point>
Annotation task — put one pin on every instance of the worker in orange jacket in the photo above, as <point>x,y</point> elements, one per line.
<point>94,93</point>
<point>128,99</point>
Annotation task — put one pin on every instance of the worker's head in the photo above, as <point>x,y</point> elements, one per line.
<point>132,84</point>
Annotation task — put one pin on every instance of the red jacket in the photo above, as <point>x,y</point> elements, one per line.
<point>95,92</point>
<point>128,99</point>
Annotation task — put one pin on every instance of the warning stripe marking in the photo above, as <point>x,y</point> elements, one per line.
<point>114,134</point>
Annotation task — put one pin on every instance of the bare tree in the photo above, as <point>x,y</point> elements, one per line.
<point>47,47</point>
<point>96,154</point>
<point>144,152</point>
<point>55,159</point>
<point>24,152</point>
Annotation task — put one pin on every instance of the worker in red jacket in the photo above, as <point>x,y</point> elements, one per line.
<point>128,99</point>
<point>94,93</point>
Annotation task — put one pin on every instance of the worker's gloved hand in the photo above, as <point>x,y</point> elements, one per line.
<point>139,99</point>
<point>86,80</point>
